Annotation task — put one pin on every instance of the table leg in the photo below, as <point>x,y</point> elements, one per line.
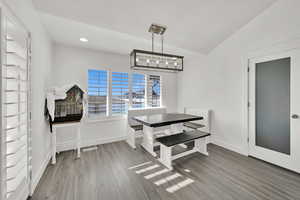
<point>53,145</point>
<point>78,141</point>
<point>148,140</point>
<point>166,156</point>
<point>178,128</point>
<point>131,137</point>
<point>201,145</point>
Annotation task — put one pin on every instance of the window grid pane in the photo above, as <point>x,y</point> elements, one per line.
<point>138,90</point>
<point>154,91</point>
<point>120,93</point>
<point>97,93</point>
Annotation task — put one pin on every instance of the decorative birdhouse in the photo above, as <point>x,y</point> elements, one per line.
<point>71,108</point>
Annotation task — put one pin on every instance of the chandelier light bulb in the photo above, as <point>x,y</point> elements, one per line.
<point>82,39</point>
<point>148,60</point>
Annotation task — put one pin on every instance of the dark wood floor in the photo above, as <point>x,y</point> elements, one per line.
<point>104,175</point>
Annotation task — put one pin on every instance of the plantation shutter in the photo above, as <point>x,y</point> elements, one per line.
<point>97,93</point>
<point>138,85</point>
<point>119,92</point>
<point>15,159</point>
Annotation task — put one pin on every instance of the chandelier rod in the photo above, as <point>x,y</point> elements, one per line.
<point>162,44</point>
<point>152,42</point>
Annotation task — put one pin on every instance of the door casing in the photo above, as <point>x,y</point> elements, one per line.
<point>282,51</point>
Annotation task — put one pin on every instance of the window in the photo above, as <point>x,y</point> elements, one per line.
<point>153,93</point>
<point>120,93</point>
<point>138,90</point>
<point>112,93</point>
<point>97,93</point>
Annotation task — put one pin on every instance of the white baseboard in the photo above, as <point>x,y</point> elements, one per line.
<point>40,172</point>
<point>71,144</point>
<point>237,149</point>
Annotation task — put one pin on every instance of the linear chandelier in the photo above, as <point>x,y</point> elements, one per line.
<point>158,61</point>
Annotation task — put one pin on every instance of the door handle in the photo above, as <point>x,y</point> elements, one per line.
<point>294,116</point>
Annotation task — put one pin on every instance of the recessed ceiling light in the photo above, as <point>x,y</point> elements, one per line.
<point>83,39</point>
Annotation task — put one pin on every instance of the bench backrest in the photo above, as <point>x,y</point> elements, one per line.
<point>133,112</point>
<point>203,113</point>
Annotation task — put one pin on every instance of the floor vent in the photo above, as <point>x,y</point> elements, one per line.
<point>92,148</point>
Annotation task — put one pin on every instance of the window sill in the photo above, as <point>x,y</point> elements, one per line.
<point>105,119</point>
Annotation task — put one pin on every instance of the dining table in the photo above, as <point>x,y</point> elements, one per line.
<point>171,123</point>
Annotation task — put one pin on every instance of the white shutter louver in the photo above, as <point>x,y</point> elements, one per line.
<point>120,92</point>
<point>138,84</point>
<point>97,93</point>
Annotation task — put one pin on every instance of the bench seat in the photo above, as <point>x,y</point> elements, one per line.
<point>172,140</point>
<point>168,142</point>
<point>193,125</point>
<point>137,127</point>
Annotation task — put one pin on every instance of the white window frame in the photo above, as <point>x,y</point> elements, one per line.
<point>145,96</point>
<point>107,98</point>
<point>150,89</point>
<point>109,116</point>
<point>111,96</point>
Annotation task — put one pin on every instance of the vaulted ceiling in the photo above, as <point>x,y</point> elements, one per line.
<point>117,25</point>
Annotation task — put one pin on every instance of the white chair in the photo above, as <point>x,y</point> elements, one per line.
<point>202,125</point>
<point>135,128</point>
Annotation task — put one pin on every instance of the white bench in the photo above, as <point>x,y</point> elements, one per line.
<point>202,125</point>
<point>168,142</point>
<point>135,128</point>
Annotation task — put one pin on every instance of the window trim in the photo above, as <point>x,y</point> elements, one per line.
<point>109,116</point>
<point>145,95</point>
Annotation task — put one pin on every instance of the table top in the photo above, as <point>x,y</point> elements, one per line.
<point>157,120</point>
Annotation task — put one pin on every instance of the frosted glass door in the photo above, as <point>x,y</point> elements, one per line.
<point>272,100</point>
<point>15,111</point>
<point>274,123</point>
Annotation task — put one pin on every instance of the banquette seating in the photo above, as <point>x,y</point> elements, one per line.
<point>202,125</point>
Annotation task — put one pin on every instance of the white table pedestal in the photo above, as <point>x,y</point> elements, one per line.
<point>148,140</point>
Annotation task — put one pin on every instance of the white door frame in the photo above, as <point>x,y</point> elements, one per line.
<point>278,48</point>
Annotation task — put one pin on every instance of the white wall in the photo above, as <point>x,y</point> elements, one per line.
<point>41,68</point>
<point>71,66</point>
<point>220,81</point>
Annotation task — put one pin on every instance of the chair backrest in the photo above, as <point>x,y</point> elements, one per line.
<point>203,113</point>
<point>133,112</point>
